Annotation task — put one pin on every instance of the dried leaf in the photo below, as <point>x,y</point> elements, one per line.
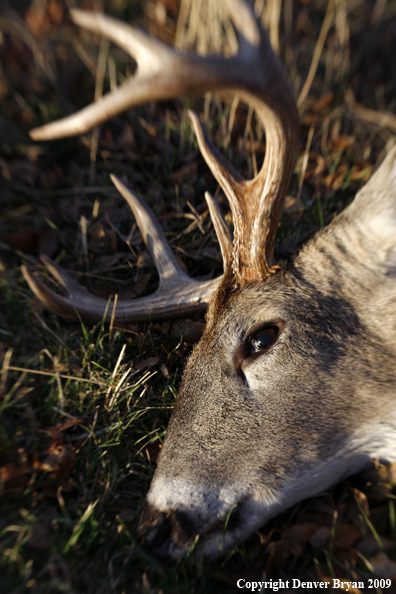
<point>322,102</point>
<point>294,541</point>
<point>127,515</point>
<point>63,426</point>
<point>60,460</point>
<point>387,474</point>
<point>55,11</point>
<point>361,172</point>
<point>361,499</point>
<point>319,538</point>
<point>146,363</point>
<point>152,451</point>
<point>293,206</point>
<point>341,142</point>
<point>188,171</point>
<point>24,241</point>
<point>141,285</point>
<point>14,478</point>
<point>347,535</point>
<point>127,138</point>
<point>190,330</point>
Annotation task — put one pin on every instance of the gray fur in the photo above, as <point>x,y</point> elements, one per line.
<point>312,409</point>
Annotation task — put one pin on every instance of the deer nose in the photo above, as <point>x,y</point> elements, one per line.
<point>154,530</point>
<point>167,534</point>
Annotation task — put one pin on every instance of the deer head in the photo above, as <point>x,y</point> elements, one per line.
<point>292,386</point>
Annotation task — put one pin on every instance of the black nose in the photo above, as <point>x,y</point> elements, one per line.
<point>154,530</point>
<point>168,534</point>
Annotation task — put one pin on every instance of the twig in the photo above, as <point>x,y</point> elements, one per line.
<point>305,161</point>
<point>44,325</point>
<point>113,316</point>
<point>5,368</point>
<point>71,377</point>
<point>383,119</point>
<point>317,53</point>
<point>115,370</point>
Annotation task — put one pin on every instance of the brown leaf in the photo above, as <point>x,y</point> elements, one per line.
<point>144,259</point>
<point>188,171</point>
<point>190,330</point>
<point>361,172</point>
<point>387,474</point>
<point>341,142</point>
<point>149,362</point>
<point>37,21</point>
<point>127,138</point>
<point>14,478</point>
<point>63,426</point>
<point>361,499</point>
<point>339,176</point>
<point>127,515</point>
<point>294,541</point>
<point>293,206</point>
<point>320,513</point>
<point>255,147</point>
<point>97,241</point>
<point>320,536</point>
<point>348,557</point>
<point>323,102</point>
<point>379,493</point>
<point>141,285</point>
<point>152,450</point>
<point>60,458</point>
<point>24,241</point>
<point>55,11</point>
<point>347,535</point>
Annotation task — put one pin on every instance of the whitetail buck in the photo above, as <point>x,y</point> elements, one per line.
<point>293,384</point>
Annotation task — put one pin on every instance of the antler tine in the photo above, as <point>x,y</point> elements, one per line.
<point>152,57</point>
<point>169,270</point>
<point>222,231</point>
<point>177,294</point>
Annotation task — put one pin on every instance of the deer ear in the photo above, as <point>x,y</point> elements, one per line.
<point>375,204</point>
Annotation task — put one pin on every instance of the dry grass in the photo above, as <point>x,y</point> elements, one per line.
<point>83,411</point>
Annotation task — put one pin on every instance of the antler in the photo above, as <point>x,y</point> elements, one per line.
<point>163,73</point>
<point>177,294</point>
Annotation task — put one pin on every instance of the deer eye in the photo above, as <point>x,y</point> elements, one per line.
<point>263,339</point>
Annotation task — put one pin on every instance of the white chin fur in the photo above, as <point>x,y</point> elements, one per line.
<point>179,494</point>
